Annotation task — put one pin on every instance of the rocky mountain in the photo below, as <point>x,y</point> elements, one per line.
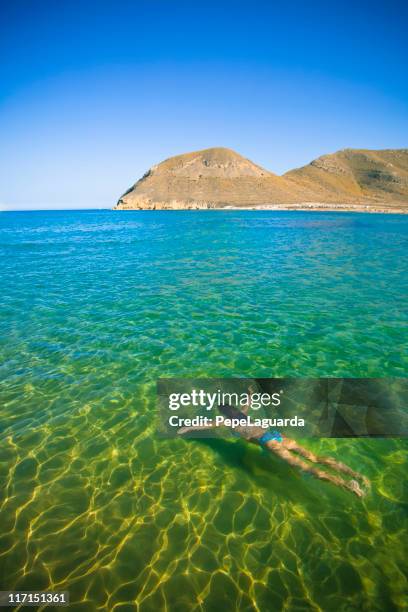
<point>220,178</point>
<point>357,175</point>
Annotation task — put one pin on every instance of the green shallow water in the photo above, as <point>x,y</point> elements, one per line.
<point>96,306</point>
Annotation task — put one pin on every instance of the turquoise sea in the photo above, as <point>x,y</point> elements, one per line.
<point>96,305</point>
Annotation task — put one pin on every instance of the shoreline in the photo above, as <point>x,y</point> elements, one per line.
<point>281,207</point>
<point>328,208</point>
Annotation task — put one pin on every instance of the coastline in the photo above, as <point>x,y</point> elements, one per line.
<point>304,207</point>
<point>326,208</point>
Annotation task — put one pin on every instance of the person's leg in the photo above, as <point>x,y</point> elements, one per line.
<point>329,461</point>
<point>284,453</point>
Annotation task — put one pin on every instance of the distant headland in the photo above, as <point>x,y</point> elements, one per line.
<point>351,179</point>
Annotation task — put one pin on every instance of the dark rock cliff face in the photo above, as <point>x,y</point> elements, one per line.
<point>219,177</point>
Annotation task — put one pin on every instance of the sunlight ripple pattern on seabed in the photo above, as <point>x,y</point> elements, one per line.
<point>96,306</point>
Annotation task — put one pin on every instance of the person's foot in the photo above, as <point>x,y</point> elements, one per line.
<point>355,488</point>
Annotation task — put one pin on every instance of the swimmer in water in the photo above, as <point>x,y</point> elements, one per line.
<point>291,452</point>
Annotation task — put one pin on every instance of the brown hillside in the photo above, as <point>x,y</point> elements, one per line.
<point>210,178</point>
<point>357,174</point>
<point>219,177</point>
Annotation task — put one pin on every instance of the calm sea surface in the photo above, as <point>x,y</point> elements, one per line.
<point>96,305</point>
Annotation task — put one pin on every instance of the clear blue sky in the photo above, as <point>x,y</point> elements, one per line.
<point>93,93</point>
